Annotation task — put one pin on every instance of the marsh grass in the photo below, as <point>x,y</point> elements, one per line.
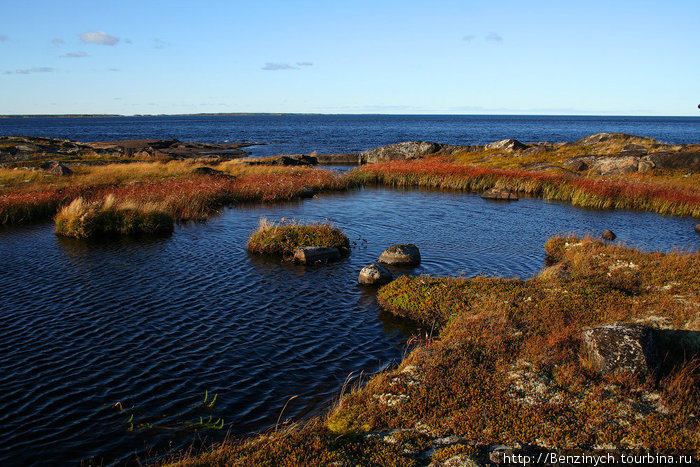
<point>86,219</point>
<point>586,192</point>
<point>282,238</point>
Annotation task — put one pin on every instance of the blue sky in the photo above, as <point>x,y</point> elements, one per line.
<point>441,56</point>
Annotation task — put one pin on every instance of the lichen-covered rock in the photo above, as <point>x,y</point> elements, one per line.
<point>374,274</point>
<point>316,254</point>
<point>623,347</point>
<point>500,193</point>
<point>400,151</point>
<point>609,235</point>
<point>610,165</point>
<point>507,144</point>
<point>405,254</point>
<point>60,170</point>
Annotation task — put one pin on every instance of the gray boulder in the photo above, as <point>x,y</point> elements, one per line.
<point>623,347</point>
<point>500,193</point>
<point>405,254</point>
<point>507,144</point>
<point>316,254</point>
<point>374,274</point>
<point>400,151</point>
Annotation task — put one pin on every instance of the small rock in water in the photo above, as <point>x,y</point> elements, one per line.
<point>405,254</point>
<point>314,254</point>
<point>609,235</point>
<point>500,193</point>
<point>697,228</point>
<point>374,274</point>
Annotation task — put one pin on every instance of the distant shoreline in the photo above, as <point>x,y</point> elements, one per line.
<point>280,114</point>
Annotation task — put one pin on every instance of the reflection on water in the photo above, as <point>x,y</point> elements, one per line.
<point>154,322</point>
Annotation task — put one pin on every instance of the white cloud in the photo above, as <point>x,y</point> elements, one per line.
<point>57,41</point>
<point>305,64</point>
<point>80,54</point>
<point>3,37</point>
<point>278,66</point>
<point>468,37</point>
<point>27,71</point>
<point>161,44</point>
<point>98,37</point>
<point>494,37</point>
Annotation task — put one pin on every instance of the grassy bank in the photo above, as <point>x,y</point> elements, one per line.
<point>281,239</point>
<point>31,196</point>
<point>503,366</point>
<point>591,192</point>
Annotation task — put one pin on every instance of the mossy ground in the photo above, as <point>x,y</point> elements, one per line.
<point>283,238</point>
<point>504,366</point>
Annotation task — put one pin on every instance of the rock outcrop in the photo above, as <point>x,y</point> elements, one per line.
<point>500,194</point>
<point>507,145</point>
<point>400,151</point>
<point>24,148</point>
<point>206,171</point>
<point>623,347</point>
<point>60,170</point>
<point>374,274</point>
<point>405,254</point>
<point>316,254</point>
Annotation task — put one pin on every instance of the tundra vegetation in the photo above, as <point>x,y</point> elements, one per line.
<point>504,366</point>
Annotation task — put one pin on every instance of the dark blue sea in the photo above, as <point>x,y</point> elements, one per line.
<point>107,348</point>
<point>326,134</point>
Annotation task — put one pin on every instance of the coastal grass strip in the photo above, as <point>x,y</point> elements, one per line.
<point>585,192</point>
<point>184,198</point>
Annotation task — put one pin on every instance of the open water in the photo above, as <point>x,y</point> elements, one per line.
<point>151,324</point>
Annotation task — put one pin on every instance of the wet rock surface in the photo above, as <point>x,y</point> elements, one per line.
<point>375,274</point>
<point>405,254</point>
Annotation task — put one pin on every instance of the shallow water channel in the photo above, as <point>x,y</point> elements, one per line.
<point>151,324</point>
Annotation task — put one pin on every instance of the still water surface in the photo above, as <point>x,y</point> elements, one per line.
<point>153,323</point>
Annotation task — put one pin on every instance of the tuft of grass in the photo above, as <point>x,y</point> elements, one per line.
<point>85,219</point>
<point>281,239</point>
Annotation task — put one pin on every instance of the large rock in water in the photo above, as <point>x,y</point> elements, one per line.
<point>608,235</point>
<point>374,274</point>
<point>405,254</point>
<point>400,151</point>
<point>623,347</point>
<point>499,193</point>
<point>316,254</point>
<point>507,144</point>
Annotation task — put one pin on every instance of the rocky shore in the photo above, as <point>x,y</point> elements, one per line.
<point>19,149</point>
